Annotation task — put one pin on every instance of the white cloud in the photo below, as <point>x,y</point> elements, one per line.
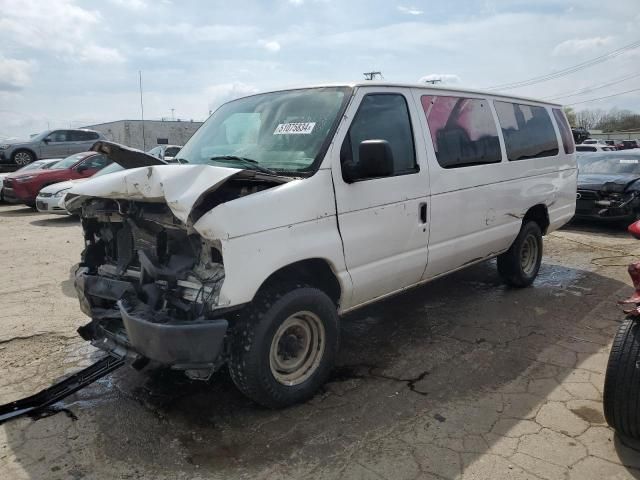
<point>296,2</point>
<point>580,45</point>
<point>271,46</point>
<point>14,74</point>
<point>200,33</point>
<point>131,4</point>
<point>443,77</point>
<point>97,54</point>
<point>410,10</point>
<point>223,92</point>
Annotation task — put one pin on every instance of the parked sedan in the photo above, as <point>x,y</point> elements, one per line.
<point>595,147</point>
<point>51,198</point>
<point>37,165</point>
<point>24,187</point>
<point>609,186</point>
<point>166,152</point>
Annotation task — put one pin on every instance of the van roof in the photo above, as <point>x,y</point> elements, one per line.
<point>432,88</point>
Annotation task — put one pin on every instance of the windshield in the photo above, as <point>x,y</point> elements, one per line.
<point>609,164</point>
<point>281,131</point>
<point>114,167</point>
<point>37,165</point>
<point>69,161</point>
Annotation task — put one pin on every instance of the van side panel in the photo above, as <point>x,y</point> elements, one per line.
<point>477,211</point>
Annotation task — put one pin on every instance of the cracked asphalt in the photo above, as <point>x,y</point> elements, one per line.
<point>462,378</point>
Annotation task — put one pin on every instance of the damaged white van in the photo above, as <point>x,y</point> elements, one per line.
<point>293,207</point>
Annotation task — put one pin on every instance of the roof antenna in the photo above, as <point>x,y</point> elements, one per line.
<point>373,75</point>
<point>434,81</point>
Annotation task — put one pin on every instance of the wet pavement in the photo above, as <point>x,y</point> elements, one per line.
<point>461,378</point>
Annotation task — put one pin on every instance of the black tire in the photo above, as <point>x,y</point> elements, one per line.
<point>514,270</point>
<point>22,157</point>
<point>254,333</point>
<point>621,397</point>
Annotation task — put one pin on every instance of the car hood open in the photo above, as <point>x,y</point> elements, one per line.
<point>126,156</point>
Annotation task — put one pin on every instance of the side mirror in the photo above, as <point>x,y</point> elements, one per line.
<point>46,140</point>
<point>376,159</point>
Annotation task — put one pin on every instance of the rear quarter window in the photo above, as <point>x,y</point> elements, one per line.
<point>527,131</point>
<point>565,131</point>
<point>463,131</point>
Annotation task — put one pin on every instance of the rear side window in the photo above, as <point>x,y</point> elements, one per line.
<point>463,131</point>
<point>527,131</point>
<point>81,136</point>
<point>565,130</point>
<point>171,151</point>
<point>383,116</point>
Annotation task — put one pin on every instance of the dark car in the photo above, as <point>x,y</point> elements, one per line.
<point>629,144</point>
<point>609,185</point>
<point>23,187</point>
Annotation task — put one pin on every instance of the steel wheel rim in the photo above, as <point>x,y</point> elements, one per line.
<point>22,158</point>
<point>297,348</point>
<point>529,255</point>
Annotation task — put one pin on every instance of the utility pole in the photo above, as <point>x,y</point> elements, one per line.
<point>144,143</point>
<point>372,75</point>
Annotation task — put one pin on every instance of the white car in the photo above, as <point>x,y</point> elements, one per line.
<point>166,152</point>
<point>37,165</point>
<point>595,147</point>
<point>594,141</point>
<point>51,198</point>
<point>298,206</point>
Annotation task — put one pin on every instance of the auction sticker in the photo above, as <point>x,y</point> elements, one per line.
<point>630,160</point>
<point>304,128</point>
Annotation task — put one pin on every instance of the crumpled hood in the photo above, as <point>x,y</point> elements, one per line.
<point>597,181</point>
<point>126,156</point>
<point>179,186</point>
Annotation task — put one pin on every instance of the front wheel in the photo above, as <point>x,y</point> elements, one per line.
<point>23,157</point>
<point>519,265</point>
<point>284,345</point>
<point>621,396</point>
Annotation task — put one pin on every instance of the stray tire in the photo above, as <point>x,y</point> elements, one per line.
<point>519,265</point>
<point>22,158</point>
<point>284,345</point>
<point>621,397</point>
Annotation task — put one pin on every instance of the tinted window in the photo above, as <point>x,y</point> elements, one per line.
<point>58,136</point>
<point>565,130</point>
<point>527,131</point>
<point>96,161</point>
<point>171,151</point>
<point>463,131</point>
<point>80,136</point>
<point>586,148</point>
<point>382,117</point>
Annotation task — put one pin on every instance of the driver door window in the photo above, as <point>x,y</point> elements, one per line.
<point>57,145</point>
<point>381,116</point>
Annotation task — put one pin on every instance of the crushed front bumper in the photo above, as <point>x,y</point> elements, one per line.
<point>131,330</point>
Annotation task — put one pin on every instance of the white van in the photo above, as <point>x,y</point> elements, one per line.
<point>299,205</point>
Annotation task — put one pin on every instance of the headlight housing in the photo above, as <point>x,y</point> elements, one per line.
<point>4,146</point>
<point>62,193</point>
<point>24,179</point>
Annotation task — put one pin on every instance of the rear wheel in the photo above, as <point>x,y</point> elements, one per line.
<point>284,345</point>
<point>621,398</point>
<point>23,157</point>
<point>519,265</point>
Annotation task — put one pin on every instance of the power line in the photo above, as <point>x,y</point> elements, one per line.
<point>568,70</point>
<point>601,98</point>
<point>592,88</point>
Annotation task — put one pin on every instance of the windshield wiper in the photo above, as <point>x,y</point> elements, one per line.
<point>247,162</point>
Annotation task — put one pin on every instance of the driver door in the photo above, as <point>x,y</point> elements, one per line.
<point>383,221</point>
<point>56,145</point>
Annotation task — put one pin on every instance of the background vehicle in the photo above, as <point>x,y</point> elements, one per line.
<point>611,143</point>
<point>48,144</point>
<point>629,144</point>
<point>165,152</point>
<point>608,186</point>
<point>37,165</point>
<point>22,187</point>
<point>51,198</point>
<point>594,148</point>
<point>621,395</point>
<point>248,254</point>
<point>594,141</point>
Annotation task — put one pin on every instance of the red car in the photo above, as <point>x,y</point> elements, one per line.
<point>24,187</point>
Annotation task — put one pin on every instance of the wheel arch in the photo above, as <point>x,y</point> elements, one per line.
<point>24,149</point>
<point>316,272</point>
<point>540,214</point>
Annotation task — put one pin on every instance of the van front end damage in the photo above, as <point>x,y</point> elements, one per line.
<point>150,286</point>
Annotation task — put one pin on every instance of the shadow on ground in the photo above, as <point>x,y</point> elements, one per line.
<point>56,221</point>
<point>19,211</point>
<point>403,364</point>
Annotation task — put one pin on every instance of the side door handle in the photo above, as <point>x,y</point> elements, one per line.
<point>423,212</point>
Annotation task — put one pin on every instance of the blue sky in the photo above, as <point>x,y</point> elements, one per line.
<point>75,62</point>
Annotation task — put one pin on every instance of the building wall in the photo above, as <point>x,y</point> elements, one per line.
<point>615,135</point>
<point>129,132</point>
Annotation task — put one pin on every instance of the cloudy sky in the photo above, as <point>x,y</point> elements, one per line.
<point>75,62</point>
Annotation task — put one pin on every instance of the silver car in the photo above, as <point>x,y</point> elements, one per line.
<point>48,144</point>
